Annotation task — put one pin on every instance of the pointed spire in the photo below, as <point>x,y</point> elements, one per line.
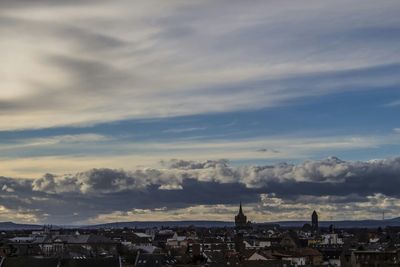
<point>314,213</point>
<point>240,208</point>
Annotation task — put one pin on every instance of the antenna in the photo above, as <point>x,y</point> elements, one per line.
<point>383,216</point>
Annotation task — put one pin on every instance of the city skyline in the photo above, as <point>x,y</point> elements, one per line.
<point>140,111</point>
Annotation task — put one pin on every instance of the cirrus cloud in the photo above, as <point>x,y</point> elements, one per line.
<point>85,62</point>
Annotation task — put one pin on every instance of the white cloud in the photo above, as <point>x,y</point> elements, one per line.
<point>329,207</point>
<point>52,142</point>
<point>269,209</point>
<point>84,63</point>
<point>184,130</point>
<point>393,104</point>
<point>195,190</point>
<point>7,189</point>
<point>63,154</point>
<point>332,171</point>
<point>198,212</point>
<point>18,215</point>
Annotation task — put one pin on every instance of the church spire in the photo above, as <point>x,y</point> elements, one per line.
<point>314,221</point>
<point>240,219</point>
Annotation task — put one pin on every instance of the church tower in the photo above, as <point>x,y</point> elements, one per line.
<point>240,219</point>
<point>314,221</point>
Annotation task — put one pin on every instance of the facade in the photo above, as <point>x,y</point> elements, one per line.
<point>377,258</point>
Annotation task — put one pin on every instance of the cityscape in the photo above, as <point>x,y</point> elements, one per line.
<point>242,244</point>
<point>208,133</point>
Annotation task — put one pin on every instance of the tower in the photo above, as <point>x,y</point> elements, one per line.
<point>240,219</point>
<point>314,221</point>
<point>239,243</point>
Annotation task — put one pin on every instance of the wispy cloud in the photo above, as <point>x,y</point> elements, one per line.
<point>85,63</point>
<point>184,130</point>
<point>111,61</point>
<point>53,141</point>
<point>60,154</point>
<point>393,104</point>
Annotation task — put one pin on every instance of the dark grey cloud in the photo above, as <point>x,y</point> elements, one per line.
<point>89,74</point>
<point>267,150</point>
<point>86,40</point>
<point>78,197</point>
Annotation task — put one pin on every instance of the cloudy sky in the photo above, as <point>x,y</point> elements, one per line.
<point>170,110</point>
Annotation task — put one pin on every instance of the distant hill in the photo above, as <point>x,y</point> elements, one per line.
<point>152,224</point>
<point>9,226</point>
<point>347,223</point>
<point>337,224</point>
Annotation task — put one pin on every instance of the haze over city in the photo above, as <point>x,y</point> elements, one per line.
<point>179,110</point>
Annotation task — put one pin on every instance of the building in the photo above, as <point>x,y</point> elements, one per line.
<point>377,258</point>
<point>240,219</point>
<point>314,221</point>
<point>58,262</point>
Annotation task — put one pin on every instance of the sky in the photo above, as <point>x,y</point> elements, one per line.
<point>178,110</point>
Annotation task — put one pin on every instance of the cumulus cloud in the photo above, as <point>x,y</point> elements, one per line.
<point>270,192</point>
<point>329,207</point>
<point>132,60</point>
<point>330,174</point>
<point>192,165</point>
<point>7,189</point>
